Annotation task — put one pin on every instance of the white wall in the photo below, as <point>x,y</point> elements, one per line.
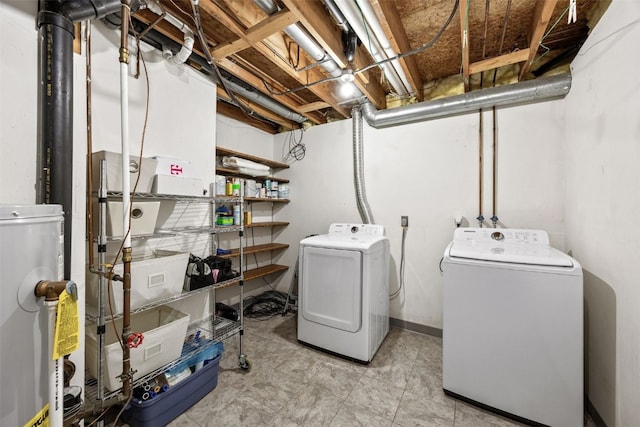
<point>429,171</point>
<point>181,119</point>
<point>602,201</point>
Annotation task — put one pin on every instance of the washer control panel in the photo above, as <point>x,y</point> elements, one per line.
<point>356,229</point>
<point>502,235</point>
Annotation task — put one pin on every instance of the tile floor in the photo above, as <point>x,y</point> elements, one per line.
<point>292,385</point>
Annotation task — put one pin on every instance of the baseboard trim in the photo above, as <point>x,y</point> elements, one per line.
<point>593,413</point>
<point>415,327</point>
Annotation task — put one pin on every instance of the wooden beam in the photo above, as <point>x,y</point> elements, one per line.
<point>314,106</point>
<point>273,24</point>
<point>464,36</point>
<point>277,43</point>
<point>499,61</point>
<point>315,19</point>
<point>390,21</point>
<point>234,112</point>
<point>539,23</point>
<point>173,33</point>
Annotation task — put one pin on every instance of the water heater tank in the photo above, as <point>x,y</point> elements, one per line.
<point>31,250</point>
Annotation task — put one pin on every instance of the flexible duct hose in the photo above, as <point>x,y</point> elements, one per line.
<point>358,167</point>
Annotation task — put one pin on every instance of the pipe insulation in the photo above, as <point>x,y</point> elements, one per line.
<point>55,102</point>
<point>529,91</point>
<point>358,168</point>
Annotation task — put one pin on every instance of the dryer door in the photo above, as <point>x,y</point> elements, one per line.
<point>331,283</point>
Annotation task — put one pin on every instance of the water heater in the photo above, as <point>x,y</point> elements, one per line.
<point>31,250</point>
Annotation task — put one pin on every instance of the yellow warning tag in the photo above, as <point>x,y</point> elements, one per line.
<point>41,419</point>
<point>67,336</point>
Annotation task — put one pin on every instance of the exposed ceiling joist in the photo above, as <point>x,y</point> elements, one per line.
<point>464,36</point>
<point>273,24</point>
<point>539,23</point>
<point>234,112</point>
<point>499,61</point>
<point>267,114</point>
<point>259,51</point>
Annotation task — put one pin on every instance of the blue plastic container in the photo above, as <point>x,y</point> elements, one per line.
<point>168,405</point>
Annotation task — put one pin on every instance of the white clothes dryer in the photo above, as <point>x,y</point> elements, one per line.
<point>343,293</point>
<point>513,325</point>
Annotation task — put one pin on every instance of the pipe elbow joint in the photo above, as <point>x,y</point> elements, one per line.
<point>51,290</point>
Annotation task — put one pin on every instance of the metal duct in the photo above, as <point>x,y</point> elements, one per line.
<point>358,167</point>
<point>55,102</point>
<point>518,93</point>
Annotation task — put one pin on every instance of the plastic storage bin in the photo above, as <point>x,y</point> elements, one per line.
<point>177,185</point>
<point>146,169</point>
<point>168,405</point>
<point>164,330</point>
<point>153,277</point>
<point>143,218</point>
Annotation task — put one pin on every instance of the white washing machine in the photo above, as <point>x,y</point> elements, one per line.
<point>343,290</point>
<point>513,325</point>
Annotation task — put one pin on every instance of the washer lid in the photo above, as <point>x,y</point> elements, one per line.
<point>507,245</point>
<point>354,242</point>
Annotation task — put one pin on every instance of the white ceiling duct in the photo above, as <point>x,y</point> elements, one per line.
<point>373,39</point>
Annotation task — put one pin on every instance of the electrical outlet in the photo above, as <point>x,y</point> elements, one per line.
<point>404,221</point>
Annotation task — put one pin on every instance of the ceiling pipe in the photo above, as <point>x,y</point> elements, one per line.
<point>529,91</point>
<point>365,24</point>
<point>305,41</point>
<point>187,46</point>
<point>55,102</point>
<point>163,43</point>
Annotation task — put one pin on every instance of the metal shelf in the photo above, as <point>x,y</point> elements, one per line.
<point>177,197</point>
<point>216,329</point>
<point>92,317</point>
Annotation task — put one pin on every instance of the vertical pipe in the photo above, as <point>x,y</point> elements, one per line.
<point>126,200</point>
<point>480,217</point>
<point>55,117</point>
<point>102,255</point>
<point>358,167</point>
<point>89,147</point>
<point>494,217</point>
<point>56,380</point>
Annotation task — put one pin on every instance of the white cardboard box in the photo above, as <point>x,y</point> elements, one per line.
<point>146,169</point>
<point>177,185</point>
<point>174,167</point>
<point>143,218</point>
<point>164,331</point>
<point>153,277</point>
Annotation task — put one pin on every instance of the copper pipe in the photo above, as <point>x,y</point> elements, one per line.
<point>50,290</point>
<point>480,218</point>
<point>486,25</point>
<point>126,322</point>
<point>494,217</point>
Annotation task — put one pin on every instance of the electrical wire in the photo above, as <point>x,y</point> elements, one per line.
<point>395,293</point>
<point>375,64</point>
<point>252,114</point>
<point>265,306</point>
<point>296,149</point>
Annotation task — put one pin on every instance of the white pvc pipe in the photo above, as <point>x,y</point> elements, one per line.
<point>124,134</point>
<point>369,40</point>
<point>187,46</point>
<point>55,371</point>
